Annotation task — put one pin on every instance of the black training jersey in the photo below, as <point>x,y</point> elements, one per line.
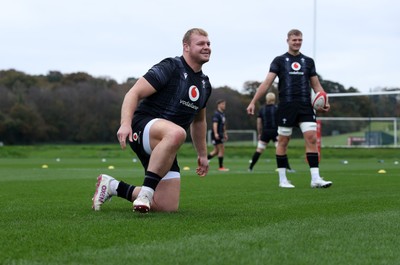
<point>181,93</point>
<point>294,74</point>
<point>219,117</point>
<point>268,116</point>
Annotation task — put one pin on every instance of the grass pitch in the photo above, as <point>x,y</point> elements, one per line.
<point>233,217</point>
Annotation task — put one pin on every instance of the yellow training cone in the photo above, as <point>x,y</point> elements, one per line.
<point>382,171</point>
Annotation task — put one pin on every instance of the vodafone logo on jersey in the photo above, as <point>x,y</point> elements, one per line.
<point>194,93</point>
<point>296,66</point>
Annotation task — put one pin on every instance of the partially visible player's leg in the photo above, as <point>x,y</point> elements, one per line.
<point>221,154</point>
<point>161,140</point>
<point>106,187</point>
<point>261,145</point>
<point>310,137</point>
<point>214,152</point>
<point>157,151</point>
<point>167,194</point>
<point>281,156</point>
<point>287,119</point>
<point>165,140</point>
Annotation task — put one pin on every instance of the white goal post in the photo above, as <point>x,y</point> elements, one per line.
<point>355,94</point>
<point>393,120</point>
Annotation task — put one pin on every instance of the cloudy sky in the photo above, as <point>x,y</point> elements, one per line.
<point>355,42</point>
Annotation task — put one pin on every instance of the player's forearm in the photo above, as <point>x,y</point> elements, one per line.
<point>315,84</point>
<point>263,88</point>
<point>198,131</point>
<point>128,107</point>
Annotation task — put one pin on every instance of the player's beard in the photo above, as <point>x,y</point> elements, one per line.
<point>204,58</point>
<point>201,58</point>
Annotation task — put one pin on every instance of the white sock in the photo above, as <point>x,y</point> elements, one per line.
<point>282,175</point>
<point>146,190</point>
<point>314,173</point>
<point>113,186</point>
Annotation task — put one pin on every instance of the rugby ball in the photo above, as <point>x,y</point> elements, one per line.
<point>319,100</point>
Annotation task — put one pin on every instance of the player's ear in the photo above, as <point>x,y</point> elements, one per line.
<point>186,47</point>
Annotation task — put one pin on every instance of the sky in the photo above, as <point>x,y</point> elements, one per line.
<point>353,43</point>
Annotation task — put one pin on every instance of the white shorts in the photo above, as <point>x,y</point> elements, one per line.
<point>304,127</point>
<point>171,175</point>
<point>146,136</point>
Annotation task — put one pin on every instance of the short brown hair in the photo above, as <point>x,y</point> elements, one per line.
<point>295,32</point>
<point>188,34</point>
<point>219,101</point>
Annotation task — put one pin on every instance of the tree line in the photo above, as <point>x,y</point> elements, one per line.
<point>79,108</point>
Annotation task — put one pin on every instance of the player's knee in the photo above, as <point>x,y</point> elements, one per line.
<point>310,139</point>
<point>283,141</point>
<point>176,136</point>
<point>281,148</point>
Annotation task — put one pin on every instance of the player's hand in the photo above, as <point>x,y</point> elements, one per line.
<point>124,132</point>
<point>326,108</point>
<point>202,166</point>
<point>250,109</point>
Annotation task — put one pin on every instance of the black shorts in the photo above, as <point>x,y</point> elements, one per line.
<point>290,114</point>
<point>269,135</point>
<point>216,141</point>
<point>138,125</point>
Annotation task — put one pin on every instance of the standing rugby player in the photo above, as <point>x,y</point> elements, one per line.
<point>297,75</point>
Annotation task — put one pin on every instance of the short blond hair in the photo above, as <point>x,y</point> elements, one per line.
<point>270,98</point>
<point>295,32</point>
<point>188,34</point>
